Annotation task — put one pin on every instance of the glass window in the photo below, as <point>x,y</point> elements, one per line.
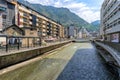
<point>4,16</point>
<point>2,8</point>
<point>10,6</point>
<point>24,19</point>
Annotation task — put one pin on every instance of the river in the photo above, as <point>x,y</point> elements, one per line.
<point>77,61</point>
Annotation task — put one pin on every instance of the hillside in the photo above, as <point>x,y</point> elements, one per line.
<point>61,15</point>
<point>96,24</point>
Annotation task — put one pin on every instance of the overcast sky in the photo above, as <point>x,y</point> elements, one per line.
<point>89,10</point>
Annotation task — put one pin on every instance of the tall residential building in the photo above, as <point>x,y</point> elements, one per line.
<point>110,20</point>
<point>31,21</point>
<point>72,31</point>
<point>7,13</point>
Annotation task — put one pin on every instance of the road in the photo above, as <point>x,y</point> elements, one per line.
<point>78,61</point>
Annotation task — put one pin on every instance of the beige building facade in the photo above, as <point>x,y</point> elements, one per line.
<point>45,27</point>
<point>34,23</point>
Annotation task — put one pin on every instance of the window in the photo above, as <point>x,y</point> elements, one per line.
<point>34,20</point>
<point>11,6</point>
<point>4,16</point>
<point>2,2</point>
<point>25,25</point>
<point>25,14</point>
<point>118,22</point>
<point>25,20</point>
<point>115,1</point>
<point>2,8</point>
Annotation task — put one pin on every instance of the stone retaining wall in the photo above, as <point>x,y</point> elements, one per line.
<point>20,56</point>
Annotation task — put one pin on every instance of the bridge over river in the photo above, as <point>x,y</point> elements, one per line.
<point>75,61</point>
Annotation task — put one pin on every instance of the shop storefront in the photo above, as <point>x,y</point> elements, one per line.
<point>115,37</point>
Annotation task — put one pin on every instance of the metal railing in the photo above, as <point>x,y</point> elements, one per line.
<point>8,43</point>
<point>14,43</point>
<point>114,45</point>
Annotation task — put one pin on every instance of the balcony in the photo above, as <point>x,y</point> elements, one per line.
<point>111,9</point>
<point>114,17</point>
<point>44,26</point>
<point>37,24</point>
<point>43,34</point>
<point>44,30</point>
<point>44,22</point>
<point>30,17</point>
<point>30,23</point>
<point>25,15</point>
<point>113,29</point>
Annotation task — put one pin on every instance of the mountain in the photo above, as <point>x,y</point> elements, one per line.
<point>96,24</point>
<point>61,15</point>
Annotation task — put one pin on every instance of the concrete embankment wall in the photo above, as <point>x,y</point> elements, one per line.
<point>111,53</point>
<point>111,50</point>
<point>20,56</point>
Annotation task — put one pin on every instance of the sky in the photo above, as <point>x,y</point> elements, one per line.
<point>89,10</point>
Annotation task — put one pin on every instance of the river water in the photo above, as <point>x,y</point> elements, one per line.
<point>77,61</point>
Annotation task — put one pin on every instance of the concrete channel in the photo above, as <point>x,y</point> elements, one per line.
<point>75,61</point>
<point>15,57</point>
<point>110,55</point>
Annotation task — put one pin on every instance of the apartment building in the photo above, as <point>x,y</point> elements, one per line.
<point>7,13</point>
<point>62,32</point>
<point>31,21</point>
<point>72,31</point>
<point>45,27</point>
<point>110,20</point>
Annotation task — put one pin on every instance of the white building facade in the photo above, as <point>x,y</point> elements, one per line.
<point>110,20</point>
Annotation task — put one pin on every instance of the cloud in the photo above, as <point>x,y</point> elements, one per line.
<point>43,2</point>
<point>85,12</point>
<point>89,14</point>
